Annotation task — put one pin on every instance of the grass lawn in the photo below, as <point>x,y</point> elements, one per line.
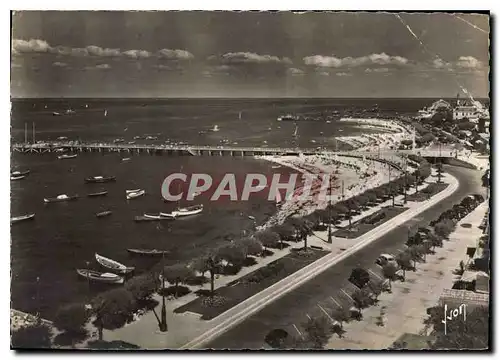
<point>420,196</point>
<point>251,284</point>
<point>370,222</point>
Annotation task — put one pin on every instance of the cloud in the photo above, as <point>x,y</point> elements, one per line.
<point>468,62</point>
<point>175,54</point>
<point>162,67</point>
<point>31,46</point>
<point>41,46</point>
<point>343,74</point>
<point>335,62</point>
<point>60,64</point>
<point>98,67</point>
<point>249,57</point>
<point>137,54</point>
<point>377,70</point>
<point>295,72</point>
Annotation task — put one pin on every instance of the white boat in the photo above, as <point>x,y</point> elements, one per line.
<point>126,159</point>
<point>134,195</point>
<point>132,191</point>
<point>65,156</point>
<point>105,112</point>
<point>215,128</point>
<point>59,198</point>
<point>161,216</point>
<point>16,219</point>
<point>109,278</point>
<point>18,177</point>
<point>187,211</point>
<point>113,265</point>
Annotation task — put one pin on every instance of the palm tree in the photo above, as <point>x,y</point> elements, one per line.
<point>389,271</point>
<point>404,261</point>
<point>342,315</point>
<point>177,273</point>
<point>302,227</point>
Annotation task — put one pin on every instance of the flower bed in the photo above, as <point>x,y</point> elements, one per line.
<point>228,296</point>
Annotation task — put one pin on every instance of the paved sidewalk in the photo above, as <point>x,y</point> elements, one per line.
<point>405,308</point>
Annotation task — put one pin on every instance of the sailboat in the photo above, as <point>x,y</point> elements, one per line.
<point>215,128</point>
<point>105,112</point>
<point>240,115</point>
<point>296,130</point>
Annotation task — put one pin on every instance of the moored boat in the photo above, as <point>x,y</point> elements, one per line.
<point>134,195</point>
<point>16,219</point>
<point>101,193</point>
<point>187,211</point>
<point>103,213</point>
<point>167,215</point>
<point>59,198</point>
<point>109,278</point>
<point>100,179</point>
<point>126,159</point>
<point>161,216</point>
<point>67,156</point>
<point>132,191</point>
<point>148,252</point>
<point>113,265</point>
<point>19,177</point>
<point>20,173</point>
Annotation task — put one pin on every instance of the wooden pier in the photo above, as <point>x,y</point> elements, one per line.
<point>200,150</point>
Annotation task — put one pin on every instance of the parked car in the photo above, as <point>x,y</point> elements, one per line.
<point>384,259</point>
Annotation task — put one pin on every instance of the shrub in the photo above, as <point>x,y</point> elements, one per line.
<point>31,337</point>
<point>71,318</point>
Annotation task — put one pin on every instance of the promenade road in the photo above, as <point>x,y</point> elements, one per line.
<point>329,286</point>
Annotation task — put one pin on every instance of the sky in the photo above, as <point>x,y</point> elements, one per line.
<point>248,54</point>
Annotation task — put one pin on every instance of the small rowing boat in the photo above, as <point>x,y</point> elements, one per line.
<point>167,215</point>
<point>161,216</point>
<point>20,177</point>
<point>66,156</point>
<point>148,252</point>
<point>102,193</point>
<point>132,191</point>
<point>17,219</point>
<point>126,159</point>
<point>20,173</point>
<point>109,278</point>
<point>100,179</point>
<point>134,195</point>
<point>113,265</point>
<point>60,198</point>
<point>103,213</point>
<point>187,211</point>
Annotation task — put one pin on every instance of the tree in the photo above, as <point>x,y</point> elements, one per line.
<point>389,271</point>
<point>251,246</point>
<point>376,288</point>
<point>31,337</point>
<point>439,167</point>
<point>142,286</point>
<point>359,277</point>
<point>208,262</point>
<point>342,315</point>
<point>285,231</point>
<point>72,318</point>
<point>276,338</point>
<point>113,309</point>
<point>443,229</point>
<point>177,273</point>
<point>302,227</point>
<point>414,253</point>
<point>361,298</point>
<point>404,261</point>
<point>269,239</point>
<point>318,331</point>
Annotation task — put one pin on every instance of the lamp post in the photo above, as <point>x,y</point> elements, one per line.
<point>88,280</point>
<point>330,214</point>
<point>37,315</point>
<point>163,319</point>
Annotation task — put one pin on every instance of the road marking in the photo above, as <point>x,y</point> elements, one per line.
<point>346,294</point>
<point>335,301</point>
<point>377,276</point>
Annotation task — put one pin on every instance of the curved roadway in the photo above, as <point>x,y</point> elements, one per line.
<point>293,308</point>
